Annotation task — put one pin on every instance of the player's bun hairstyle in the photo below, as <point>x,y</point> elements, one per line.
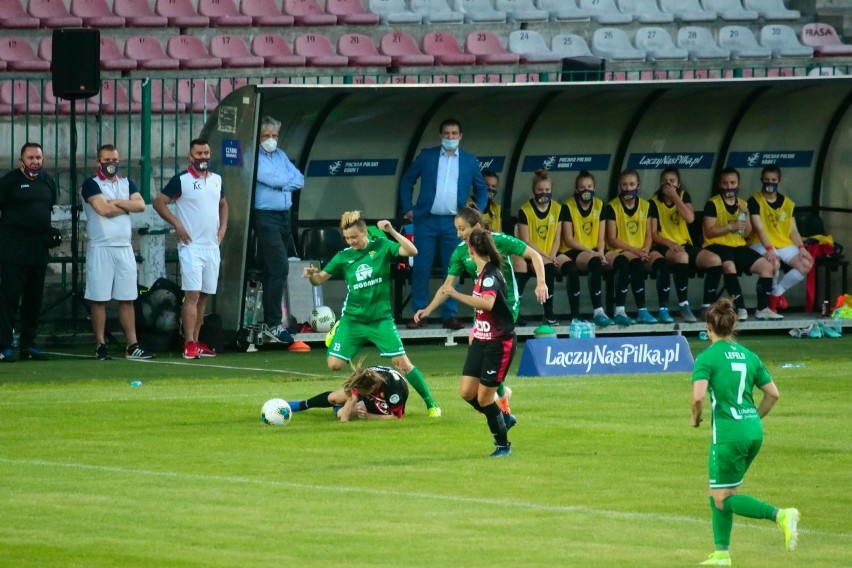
<point>584,174</point>
<point>352,220</point>
<point>363,380</point>
<point>541,174</point>
<point>722,317</point>
<point>482,244</point>
<point>471,216</point>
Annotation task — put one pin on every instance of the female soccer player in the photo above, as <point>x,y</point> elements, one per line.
<point>373,393</point>
<point>493,347</point>
<point>731,372</point>
<point>366,315</point>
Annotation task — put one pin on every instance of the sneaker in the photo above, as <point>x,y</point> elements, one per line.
<point>502,451</point>
<point>687,315</point>
<point>503,401</point>
<point>296,405</point>
<point>644,316</point>
<point>509,420</point>
<point>742,314</point>
<point>135,351</point>
<point>664,316</point>
<point>624,319</point>
<point>204,350</point>
<point>282,334</point>
<point>33,353</point>
<point>814,331</point>
<point>520,322</point>
<point>8,355</point>
<point>782,302</point>
<point>829,331</point>
<point>774,303</point>
<point>767,314</point>
<point>602,320</point>
<point>190,351</point>
<point>434,412</point>
<point>788,521</point>
<point>718,558</point>
<point>102,353</point>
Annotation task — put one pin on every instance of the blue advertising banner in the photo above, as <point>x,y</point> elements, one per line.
<point>493,163</point>
<point>574,162</point>
<point>661,160</point>
<point>232,153</point>
<point>781,158</point>
<point>338,168</point>
<point>605,356</point>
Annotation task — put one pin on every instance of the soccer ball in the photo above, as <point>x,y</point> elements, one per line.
<point>322,318</point>
<point>276,412</point>
<point>329,337</point>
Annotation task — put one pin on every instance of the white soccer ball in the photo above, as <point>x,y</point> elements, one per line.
<point>167,321</point>
<point>322,318</point>
<point>276,412</point>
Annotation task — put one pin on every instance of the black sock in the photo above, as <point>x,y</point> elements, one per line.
<point>569,270</point>
<point>664,287</point>
<point>732,285</point>
<point>318,401</point>
<point>681,281</point>
<point>522,278</point>
<point>620,267</point>
<point>595,282</point>
<point>550,280</point>
<point>712,277</point>
<point>637,280</point>
<point>764,288</point>
<point>475,404</point>
<point>496,423</point>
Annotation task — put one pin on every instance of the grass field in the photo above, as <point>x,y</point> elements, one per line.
<point>606,470</point>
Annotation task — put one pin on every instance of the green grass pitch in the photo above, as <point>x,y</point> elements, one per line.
<point>606,470</point>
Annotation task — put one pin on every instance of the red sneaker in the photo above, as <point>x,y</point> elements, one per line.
<point>774,303</point>
<point>782,302</point>
<point>204,351</point>
<point>190,350</point>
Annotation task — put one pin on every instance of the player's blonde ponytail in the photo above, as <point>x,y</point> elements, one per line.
<point>352,219</point>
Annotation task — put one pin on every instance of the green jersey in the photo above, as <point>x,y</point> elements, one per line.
<point>367,276</point>
<point>733,372</point>
<point>460,262</point>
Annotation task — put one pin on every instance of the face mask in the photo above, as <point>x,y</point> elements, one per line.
<point>586,195</point>
<point>492,195</point>
<point>542,198</point>
<point>200,165</point>
<point>732,192</point>
<point>32,172</point>
<point>109,169</point>
<point>449,144</point>
<point>270,144</point>
<point>770,187</point>
<point>630,194</point>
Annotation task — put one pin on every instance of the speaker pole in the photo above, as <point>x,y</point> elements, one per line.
<point>75,219</point>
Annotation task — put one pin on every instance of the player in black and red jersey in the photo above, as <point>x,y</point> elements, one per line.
<point>493,347</point>
<point>373,393</point>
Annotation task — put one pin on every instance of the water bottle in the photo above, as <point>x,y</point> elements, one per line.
<point>741,218</point>
<point>258,303</point>
<point>251,303</point>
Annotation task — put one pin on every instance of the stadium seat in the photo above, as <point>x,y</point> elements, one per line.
<point>530,45</point>
<point>265,13</point>
<point>570,45</point>
<point>480,12</point>
<point>321,243</point>
<point>658,45</point>
<point>823,38</point>
<point>227,86</point>
<point>394,12</point>
<point>114,98</point>
<point>361,51</point>
<point>24,97</point>
<point>233,52</point>
<point>196,94</point>
<point>52,14</point>
<point>742,43</point>
<point>111,57</point>
<point>645,11</point>
<point>700,44</point>
<point>563,10</point>
<point>688,11</point>
<point>730,10</point>
<point>223,13</point>
<point>13,17</point>
<point>2,65</point>
<point>191,53</point>
<point>783,42</point>
<point>181,14</point>
<point>488,49</point>
<point>772,9</point>
<point>275,51</point>
<point>605,12</point>
<point>308,13</point>
<point>90,106</point>
<point>436,12</point>
<point>318,51</point>
<point>521,11</point>
<point>613,44</point>
<point>19,55</point>
<point>148,53</point>
<point>403,50</point>
<point>138,14</point>
<point>162,100</point>
<point>96,14</point>
<point>351,12</point>
<point>444,47</point>
<point>826,72</point>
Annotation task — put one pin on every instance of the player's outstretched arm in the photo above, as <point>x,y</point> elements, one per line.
<point>541,291</point>
<point>406,247</point>
<point>315,275</point>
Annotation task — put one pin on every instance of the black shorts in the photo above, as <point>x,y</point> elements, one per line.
<point>490,360</point>
<point>742,257</point>
<point>691,251</point>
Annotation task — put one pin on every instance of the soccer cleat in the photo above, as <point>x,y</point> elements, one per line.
<point>718,558</point>
<point>296,405</point>
<point>644,316</point>
<point>190,351</point>
<point>434,412</point>
<point>503,401</point>
<point>687,315</point>
<point>829,331</point>
<point>135,351</point>
<point>782,302</point>
<point>624,319</point>
<point>8,355</point>
<point>102,353</point>
<point>602,320</point>
<point>767,314</point>
<point>742,314</point>
<point>814,331</point>
<point>33,353</point>
<point>788,521</point>
<point>664,316</point>
<point>774,303</point>
<point>204,351</point>
<point>502,451</point>
<point>509,420</point>
<point>282,334</point>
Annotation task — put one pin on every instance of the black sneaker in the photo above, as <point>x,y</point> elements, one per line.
<point>135,351</point>
<point>509,420</point>
<point>102,353</point>
<point>33,353</point>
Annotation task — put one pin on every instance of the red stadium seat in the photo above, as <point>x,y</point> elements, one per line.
<point>148,53</point>
<point>488,49</point>
<point>265,13</point>
<point>223,13</point>
<point>161,99</point>
<point>360,50</point>
<point>139,14</point>
<point>319,51</point>
<point>114,98</point>
<point>824,39</point>
<point>24,97</point>
<point>227,86</point>
<point>181,14</point>
<point>19,55</point>
<point>197,95</point>
<point>308,13</point>
<point>83,106</point>
<point>112,58</point>
<point>351,12</point>
<point>52,14</point>
<point>13,16</point>
<point>403,50</point>
<point>275,51</point>
<point>191,53</point>
<point>96,14</point>
<point>233,52</point>
<point>444,47</point>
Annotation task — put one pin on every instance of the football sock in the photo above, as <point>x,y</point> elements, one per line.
<point>622,279</point>
<point>416,380</point>
<point>522,278</point>
<point>790,279</point>
<point>569,269</point>
<point>595,283</point>
<point>475,404</point>
<point>764,287</point>
<point>723,523</point>
<point>550,280</point>
<point>712,277</point>
<point>496,423</point>
<point>664,286</point>
<point>318,401</point>
<point>637,281</point>
<point>501,390</point>
<point>732,285</point>
<point>748,506</point>
<point>681,282</point>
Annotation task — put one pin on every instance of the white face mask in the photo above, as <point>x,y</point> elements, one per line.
<point>449,144</point>
<point>270,144</point>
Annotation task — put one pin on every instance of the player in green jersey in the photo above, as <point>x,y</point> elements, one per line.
<point>366,316</point>
<point>730,372</point>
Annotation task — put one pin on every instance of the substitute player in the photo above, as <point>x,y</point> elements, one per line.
<point>731,372</point>
<point>366,316</point>
<point>493,347</point>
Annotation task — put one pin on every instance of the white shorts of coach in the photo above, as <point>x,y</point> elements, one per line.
<point>785,254</point>
<point>111,274</point>
<point>199,269</point>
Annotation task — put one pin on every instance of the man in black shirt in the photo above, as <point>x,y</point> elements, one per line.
<point>27,197</point>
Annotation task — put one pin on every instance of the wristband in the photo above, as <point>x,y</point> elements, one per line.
<point>769,248</point>
<point>801,247</point>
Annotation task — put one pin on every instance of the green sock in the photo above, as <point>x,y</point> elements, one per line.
<point>415,379</point>
<point>501,390</point>
<point>723,523</point>
<point>748,506</point>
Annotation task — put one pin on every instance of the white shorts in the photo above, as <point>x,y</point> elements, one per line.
<point>111,274</point>
<point>785,254</point>
<point>199,269</point>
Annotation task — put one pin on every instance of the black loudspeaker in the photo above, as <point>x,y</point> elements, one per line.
<point>75,65</point>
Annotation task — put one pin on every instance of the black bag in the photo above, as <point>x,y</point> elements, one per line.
<point>211,333</point>
<point>158,316</point>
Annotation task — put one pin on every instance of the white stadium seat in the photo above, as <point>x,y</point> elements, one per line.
<point>563,10</point>
<point>570,45</point>
<point>742,43</point>
<point>783,42</point>
<point>613,44</point>
<point>530,45</point>
<point>645,11</point>
<point>605,12</point>
<point>658,45</point>
<point>688,10</point>
<point>731,10</point>
<point>772,9</point>
<point>700,44</point>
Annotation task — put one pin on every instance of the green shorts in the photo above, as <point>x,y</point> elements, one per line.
<point>352,335</point>
<point>729,461</point>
